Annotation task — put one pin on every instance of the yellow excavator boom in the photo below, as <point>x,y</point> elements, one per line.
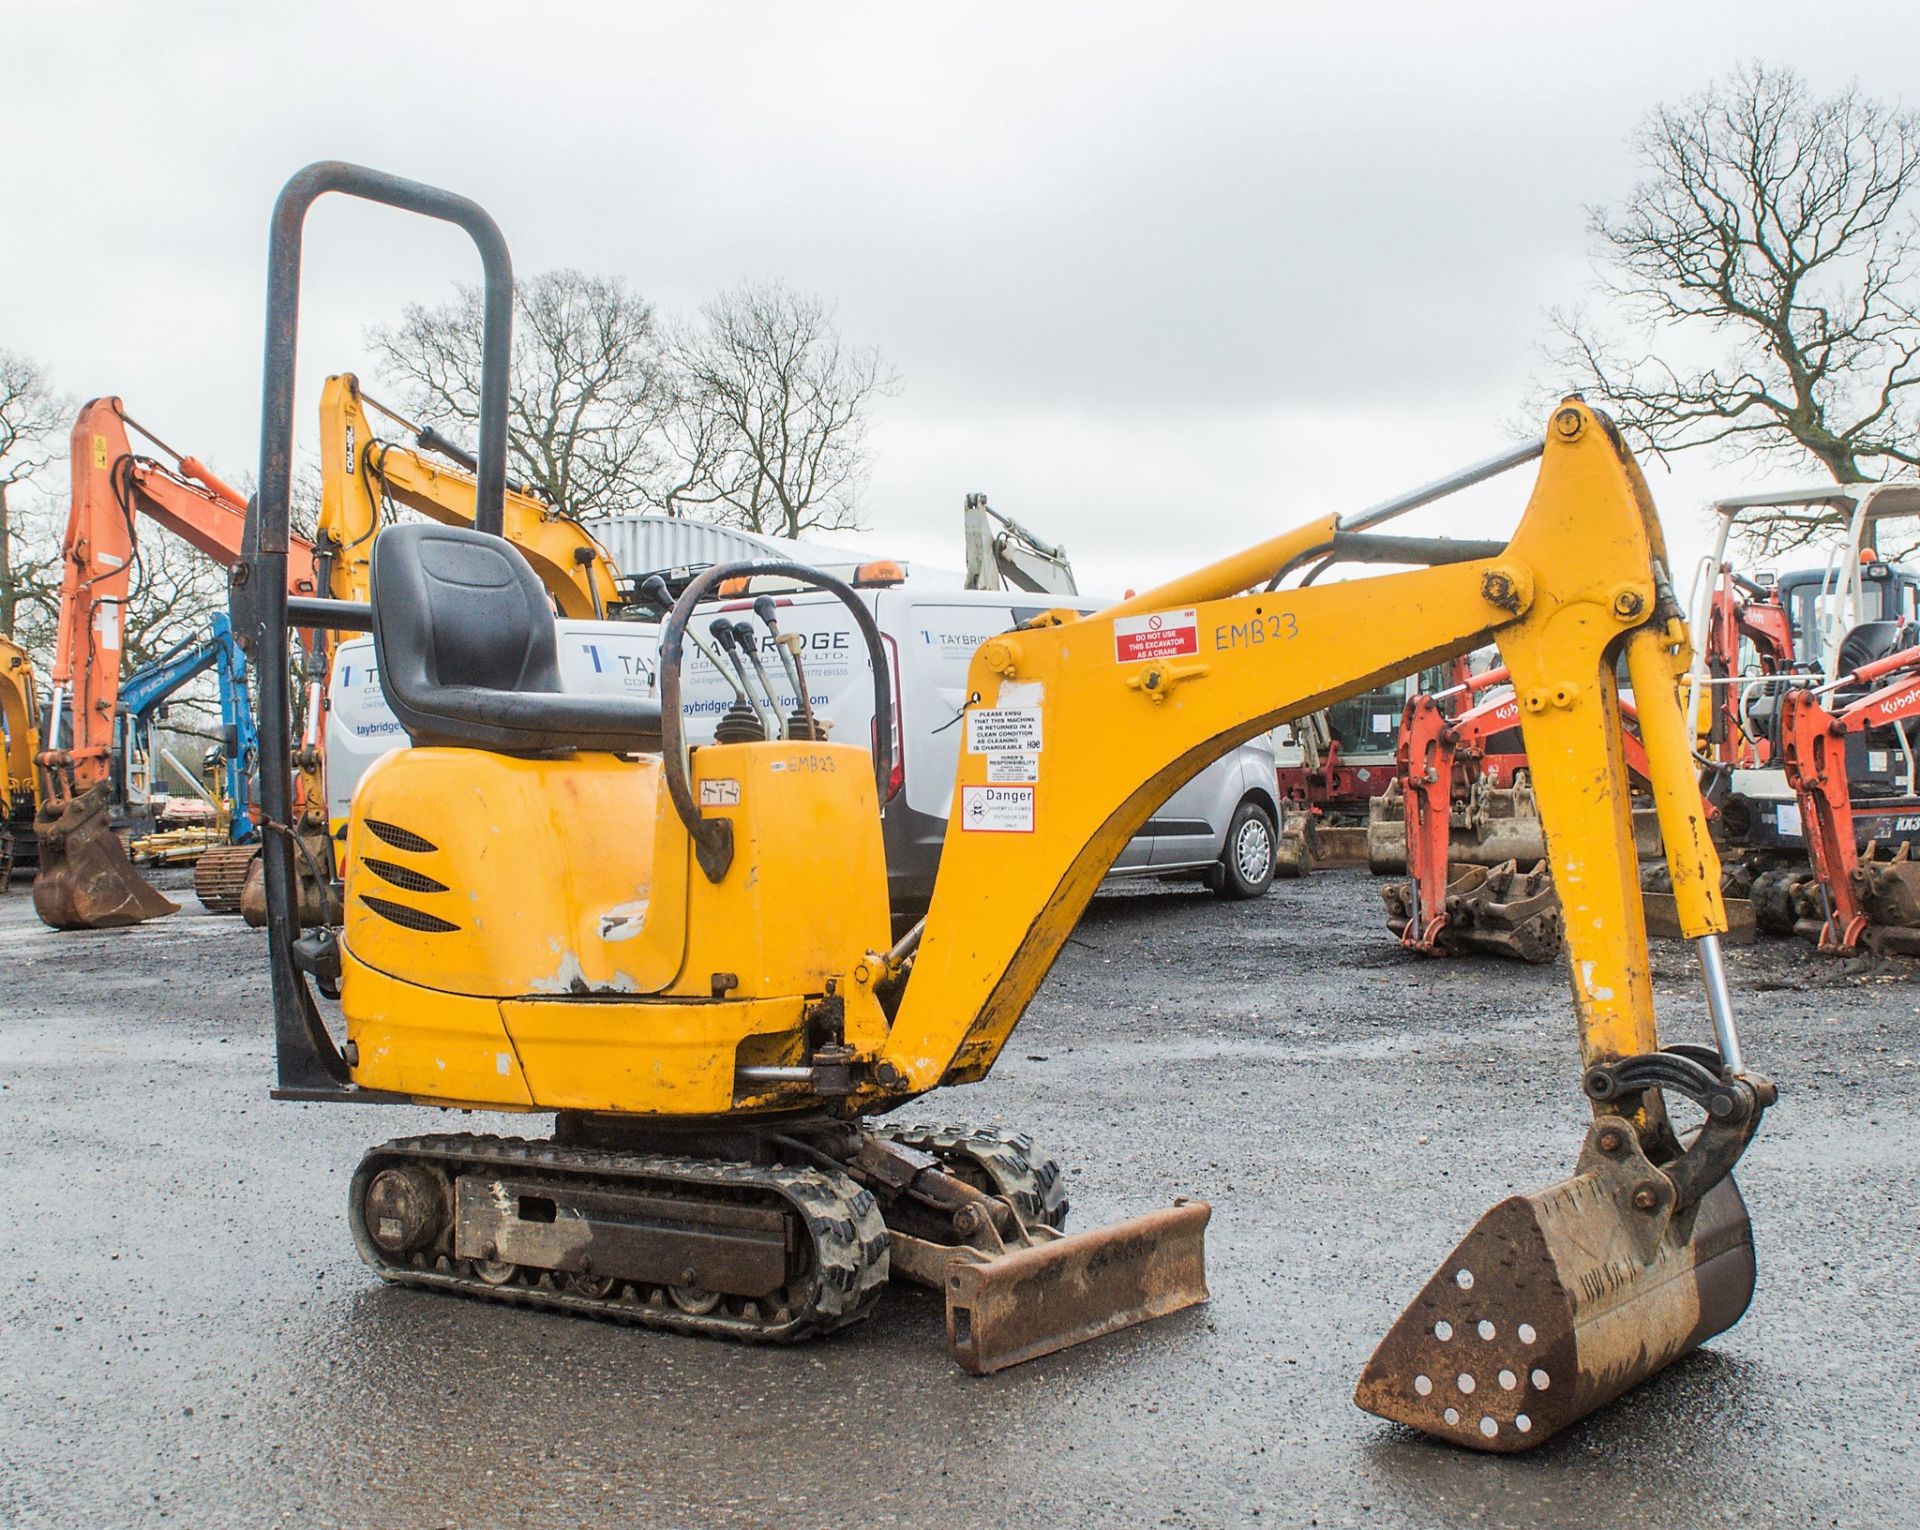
<point>1126,705</point>
<point>361,471</point>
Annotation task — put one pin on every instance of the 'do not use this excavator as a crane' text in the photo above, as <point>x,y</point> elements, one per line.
<point>554,906</point>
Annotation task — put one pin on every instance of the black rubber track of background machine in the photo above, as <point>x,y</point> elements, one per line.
<point>1035,1185</point>
<point>848,1238</point>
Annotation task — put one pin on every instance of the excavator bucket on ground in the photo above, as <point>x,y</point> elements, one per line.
<point>1559,1301</point>
<point>86,881</point>
<point>1499,910</point>
<point>1297,850</point>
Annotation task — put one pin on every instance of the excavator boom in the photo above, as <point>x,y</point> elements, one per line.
<point>361,472</point>
<point>85,880</point>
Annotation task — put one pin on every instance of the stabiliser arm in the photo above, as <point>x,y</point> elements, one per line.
<point>360,471</point>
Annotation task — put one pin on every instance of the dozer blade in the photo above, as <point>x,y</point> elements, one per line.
<point>1559,1301</point>
<point>1006,1308</point>
<point>86,881</point>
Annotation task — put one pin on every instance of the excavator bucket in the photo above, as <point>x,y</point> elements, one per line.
<point>1889,890</point>
<point>86,881</point>
<point>1294,856</point>
<point>1499,910</point>
<point>1004,1308</point>
<point>1557,1302</point>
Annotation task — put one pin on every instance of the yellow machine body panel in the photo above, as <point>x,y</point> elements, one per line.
<point>501,877</point>
<point>529,933</point>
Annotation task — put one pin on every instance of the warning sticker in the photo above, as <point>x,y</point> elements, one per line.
<point>1013,767</point>
<point>1004,730</point>
<point>997,809</point>
<point>1163,635</point>
<point>721,793</point>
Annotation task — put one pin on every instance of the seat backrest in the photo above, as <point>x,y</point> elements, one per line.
<point>463,634</point>
<point>1869,641</point>
<point>456,611</point>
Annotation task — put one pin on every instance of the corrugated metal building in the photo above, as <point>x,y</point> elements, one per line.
<point>646,544</point>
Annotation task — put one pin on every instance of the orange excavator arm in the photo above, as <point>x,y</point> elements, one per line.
<point>112,485</point>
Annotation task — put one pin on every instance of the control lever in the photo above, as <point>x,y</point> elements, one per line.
<point>767,721</point>
<point>789,644</point>
<point>749,642</point>
<point>656,593</point>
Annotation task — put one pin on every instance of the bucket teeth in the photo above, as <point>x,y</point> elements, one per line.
<point>1559,1301</point>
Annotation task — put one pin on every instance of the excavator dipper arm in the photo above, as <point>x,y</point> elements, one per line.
<point>1646,1252</point>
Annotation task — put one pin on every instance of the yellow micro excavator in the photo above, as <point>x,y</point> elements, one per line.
<point>554,905</point>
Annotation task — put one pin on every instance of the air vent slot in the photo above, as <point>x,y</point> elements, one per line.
<point>402,876</point>
<point>399,838</point>
<point>409,918</point>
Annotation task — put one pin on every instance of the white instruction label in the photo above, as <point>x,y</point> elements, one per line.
<point>1787,819</point>
<point>997,809</point>
<point>1003,730</point>
<point>1013,767</point>
<point>720,793</point>
<point>1163,635</point>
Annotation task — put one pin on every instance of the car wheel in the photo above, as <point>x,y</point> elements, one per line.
<point>1246,864</point>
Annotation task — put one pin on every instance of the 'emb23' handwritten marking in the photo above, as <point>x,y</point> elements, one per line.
<point>1279,627</point>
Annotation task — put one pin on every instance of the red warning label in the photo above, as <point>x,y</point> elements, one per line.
<point>1163,635</point>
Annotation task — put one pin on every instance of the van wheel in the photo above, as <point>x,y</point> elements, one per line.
<point>1246,864</point>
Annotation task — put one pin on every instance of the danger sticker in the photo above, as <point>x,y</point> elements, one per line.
<point>1162,635</point>
<point>721,793</point>
<point>996,809</point>
<point>1003,730</point>
<point>1013,767</point>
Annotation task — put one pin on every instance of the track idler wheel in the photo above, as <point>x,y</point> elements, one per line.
<point>85,880</point>
<point>1498,910</point>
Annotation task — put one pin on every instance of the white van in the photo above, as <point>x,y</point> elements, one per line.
<point>1221,827</point>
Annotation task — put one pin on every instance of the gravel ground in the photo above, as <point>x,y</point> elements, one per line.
<point>186,1334</point>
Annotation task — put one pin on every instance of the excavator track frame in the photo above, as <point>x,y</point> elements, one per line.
<point>843,1269</point>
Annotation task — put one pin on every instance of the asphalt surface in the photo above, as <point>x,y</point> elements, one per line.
<point>186,1334</point>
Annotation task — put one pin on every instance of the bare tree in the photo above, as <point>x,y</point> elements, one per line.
<point>586,400</point>
<point>1760,288</point>
<point>33,420</point>
<point>770,417</point>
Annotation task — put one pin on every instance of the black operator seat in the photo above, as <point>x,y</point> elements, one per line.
<point>463,632</point>
<point>1869,641</point>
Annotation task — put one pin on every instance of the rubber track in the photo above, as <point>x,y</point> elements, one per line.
<point>1035,1185</point>
<point>220,876</point>
<point>849,1238</point>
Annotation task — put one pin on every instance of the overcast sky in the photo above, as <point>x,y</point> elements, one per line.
<point>1161,279</point>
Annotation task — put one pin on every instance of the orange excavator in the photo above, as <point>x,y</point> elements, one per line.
<point>1467,827</point>
<point>1854,900</point>
<point>85,879</point>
